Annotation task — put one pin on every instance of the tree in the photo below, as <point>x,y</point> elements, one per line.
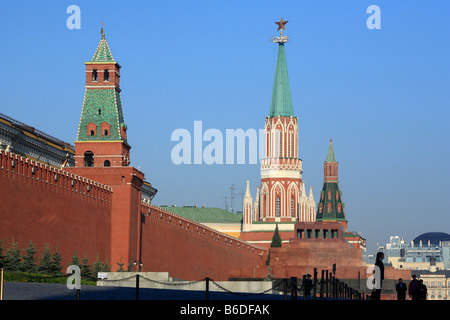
<point>29,263</point>
<point>45,263</point>
<point>99,266</point>
<point>2,255</point>
<point>120,264</point>
<point>276,239</point>
<point>56,263</point>
<point>13,259</point>
<point>75,260</point>
<point>85,268</point>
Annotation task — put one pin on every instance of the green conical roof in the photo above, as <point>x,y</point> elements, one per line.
<point>102,54</point>
<point>330,154</point>
<point>330,206</point>
<point>281,104</point>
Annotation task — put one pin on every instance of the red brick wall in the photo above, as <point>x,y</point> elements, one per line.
<point>36,206</point>
<point>191,251</point>
<point>126,183</point>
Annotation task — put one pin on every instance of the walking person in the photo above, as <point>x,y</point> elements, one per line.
<point>400,287</point>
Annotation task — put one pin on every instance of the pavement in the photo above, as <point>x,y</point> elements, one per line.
<point>51,291</point>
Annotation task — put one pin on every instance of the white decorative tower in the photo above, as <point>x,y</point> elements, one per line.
<point>281,197</point>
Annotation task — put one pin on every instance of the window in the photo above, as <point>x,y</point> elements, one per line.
<point>106,163</point>
<point>329,169</point>
<point>99,111</point>
<point>329,207</point>
<point>88,159</point>
<point>94,75</point>
<point>278,207</point>
<point>264,206</point>
<point>339,208</point>
<point>292,207</point>
<point>106,75</point>
<point>278,143</point>
<point>105,132</point>
<point>329,195</point>
<point>290,144</point>
<point>92,133</point>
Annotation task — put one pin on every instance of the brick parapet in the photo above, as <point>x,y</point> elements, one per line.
<point>53,178</point>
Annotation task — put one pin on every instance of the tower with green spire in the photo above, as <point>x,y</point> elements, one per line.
<point>281,168</point>
<point>101,138</point>
<point>331,206</point>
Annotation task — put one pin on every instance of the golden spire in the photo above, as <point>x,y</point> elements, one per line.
<point>281,25</point>
<point>101,30</point>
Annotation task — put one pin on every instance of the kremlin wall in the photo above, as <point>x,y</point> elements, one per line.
<point>97,208</point>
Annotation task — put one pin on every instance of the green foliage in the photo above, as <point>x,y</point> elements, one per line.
<point>120,264</point>
<point>2,255</point>
<point>75,260</point>
<point>85,268</point>
<point>46,268</point>
<point>276,239</point>
<point>55,266</point>
<point>29,262</point>
<point>45,263</point>
<point>13,260</point>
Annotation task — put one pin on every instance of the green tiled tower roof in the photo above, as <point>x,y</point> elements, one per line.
<point>330,194</point>
<point>102,54</point>
<point>100,106</point>
<point>330,154</point>
<point>281,104</point>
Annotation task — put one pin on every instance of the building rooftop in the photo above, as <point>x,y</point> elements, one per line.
<point>205,215</point>
<point>433,237</point>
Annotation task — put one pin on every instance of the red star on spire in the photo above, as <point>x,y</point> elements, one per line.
<point>281,24</point>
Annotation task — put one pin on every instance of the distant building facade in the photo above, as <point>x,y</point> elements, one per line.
<point>429,251</point>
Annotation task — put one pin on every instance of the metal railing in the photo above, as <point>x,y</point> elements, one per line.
<point>328,287</point>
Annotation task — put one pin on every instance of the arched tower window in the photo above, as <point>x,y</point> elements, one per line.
<point>105,132</point>
<point>264,206</point>
<point>278,207</point>
<point>290,144</point>
<point>106,75</point>
<point>94,75</point>
<point>292,207</point>
<point>278,143</point>
<point>329,207</point>
<point>106,163</point>
<point>88,159</point>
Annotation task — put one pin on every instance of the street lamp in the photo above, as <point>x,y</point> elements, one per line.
<point>135,263</point>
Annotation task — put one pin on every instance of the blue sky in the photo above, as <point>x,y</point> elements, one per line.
<point>382,95</point>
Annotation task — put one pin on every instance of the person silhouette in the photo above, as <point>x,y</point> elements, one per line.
<point>400,287</point>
